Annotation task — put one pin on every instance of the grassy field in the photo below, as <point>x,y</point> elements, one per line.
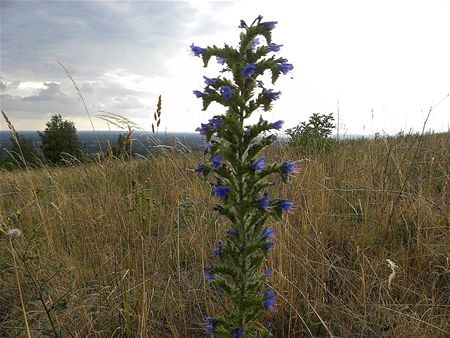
<point>117,249</point>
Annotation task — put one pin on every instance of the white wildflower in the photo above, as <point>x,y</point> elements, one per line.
<point>393,266</point>
<point>14,232</point>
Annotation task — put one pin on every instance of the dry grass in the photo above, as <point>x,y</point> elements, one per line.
<point>118,248</point>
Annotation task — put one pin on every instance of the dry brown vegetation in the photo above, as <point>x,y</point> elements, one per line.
<point>117,249</point>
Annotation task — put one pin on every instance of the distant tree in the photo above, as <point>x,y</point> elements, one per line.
<point>313,136</point>
<point>23,150</point>
<point>59,139</point>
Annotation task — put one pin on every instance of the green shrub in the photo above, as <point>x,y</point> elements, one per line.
<point>313,137</point>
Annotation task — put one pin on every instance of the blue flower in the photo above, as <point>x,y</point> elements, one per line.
<point>208,276</point>
<point>199,168</point>
<point>226,92</point>
<point>264,202</point>
<point>232,232</point>
<point>198,93</point>
<point>286,205</point>
<point>285,67</point>
<point>208,81</point>
<point>274,47</point>
<point>255,42</point>
<point>271,95</point>
<point>203,129</point>
<point>288,167</point>
<point>248,70</point>
<point>267,233</point>
<point>220,60</point>
<point>277,125</point>
<point>210,323</point>
<point>217,251</point>
<point>216,161</point>
<point>269,300</point>
<point>197,50</point>
<point>268,325</point>
<point>259,164</point>
<point>269,245</point>
<point>215,122</point>
<point>221,192</point>
<point>268,272</point>
<point>207,147</point>
<point>268,26</point>
<point>238,333</point>
<point>242,24</point>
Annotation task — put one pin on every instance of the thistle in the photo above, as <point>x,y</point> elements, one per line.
<point>239,177</point>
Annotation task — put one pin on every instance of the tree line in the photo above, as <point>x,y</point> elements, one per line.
<point>59,146</point>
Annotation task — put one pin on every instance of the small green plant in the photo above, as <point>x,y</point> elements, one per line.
<point>184,214</point>
<point>313,137</point>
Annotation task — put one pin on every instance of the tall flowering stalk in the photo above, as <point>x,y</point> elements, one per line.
<point>239,177</point>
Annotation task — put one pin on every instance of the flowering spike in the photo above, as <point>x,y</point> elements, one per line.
<point>241,173</point>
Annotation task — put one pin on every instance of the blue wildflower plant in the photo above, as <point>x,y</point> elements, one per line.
<point>240,175</point>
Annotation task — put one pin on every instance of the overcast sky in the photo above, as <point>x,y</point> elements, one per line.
<point>384,63</point>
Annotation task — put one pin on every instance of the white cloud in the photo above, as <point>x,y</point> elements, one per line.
<point>51,91</point>
<point>30,85</point>
<point>389,57</point>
